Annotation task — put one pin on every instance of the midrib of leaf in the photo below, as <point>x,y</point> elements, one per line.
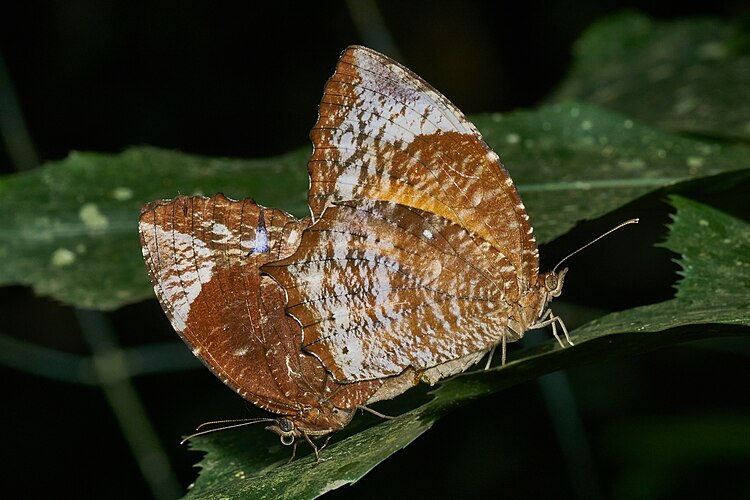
<point>548,187</point>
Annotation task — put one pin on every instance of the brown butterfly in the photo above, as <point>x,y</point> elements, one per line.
<point>203,256</point>
<point>421,255</point>
<point>420,259</point>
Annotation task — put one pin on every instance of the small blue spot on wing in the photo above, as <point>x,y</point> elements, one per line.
<point>261,235</point>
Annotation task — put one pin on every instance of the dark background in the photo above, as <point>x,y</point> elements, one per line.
<point>235,78</point>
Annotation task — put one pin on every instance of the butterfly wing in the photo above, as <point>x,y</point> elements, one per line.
<point>379,287</point>
<point>383,133</point>
<point>203,256</point>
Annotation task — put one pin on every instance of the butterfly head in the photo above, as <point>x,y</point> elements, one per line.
<point>316,420</point>
<point>537,300</point>
<point>553,283</point>
<point>286,430</point>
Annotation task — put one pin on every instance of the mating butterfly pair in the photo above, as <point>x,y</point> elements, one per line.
<point>418,260</point>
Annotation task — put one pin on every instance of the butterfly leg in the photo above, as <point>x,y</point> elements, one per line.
<point>564,329</point>
<point>504,350</point>
<point>554,320</point>
<point>328,438</point>
<point>554,332</point>
<point>492,353</point>
<point>294,452</point>
<point>315,448</point>
<point>550,318</point>
<point>489,358</point>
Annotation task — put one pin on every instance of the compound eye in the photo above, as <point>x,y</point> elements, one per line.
<point>285,425</point>
<point>550,282</point>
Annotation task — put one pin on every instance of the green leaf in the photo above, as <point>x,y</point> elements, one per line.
<point>575,161</point>
<point>702,234</point>
<point>239,465</point>
<point>232,469</point>
<point>690,75</point>
<point>715,287</point>
<point>70,227</point>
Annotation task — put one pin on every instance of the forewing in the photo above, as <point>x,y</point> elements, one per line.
<point>383,133</point>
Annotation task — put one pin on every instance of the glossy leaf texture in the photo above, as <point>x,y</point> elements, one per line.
<point>689,75</point>
<point>71,226</point>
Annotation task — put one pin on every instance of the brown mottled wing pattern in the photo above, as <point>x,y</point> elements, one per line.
<point>383,133</point>
<point>379,287</point>
<point>203,255</point>
<point>430,261</point>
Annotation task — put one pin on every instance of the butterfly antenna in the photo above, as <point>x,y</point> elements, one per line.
<point>375,412</point>
<point>630,221</point>
<point>242,423</point>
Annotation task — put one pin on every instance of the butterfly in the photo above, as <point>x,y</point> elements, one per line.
<point>203,256</point>
<point>420,255</point>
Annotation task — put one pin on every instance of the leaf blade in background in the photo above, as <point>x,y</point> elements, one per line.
<point>689,75</point>
<point>575,161</point>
